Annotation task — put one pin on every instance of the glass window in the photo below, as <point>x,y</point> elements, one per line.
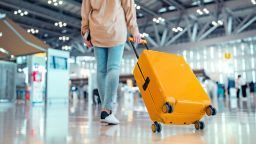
<point>184,53</point>
<point>235,51</point>
<point>205,57</point>
<point>198,65</point>
<point>243,64</point>
<point>205,65</point>
<point>244,76</point>
<point>221,78</point>
<point>235,63</point>
<point>212,67</point>
<point>254,76</point>
<point>191,55</point>
<point>251,49</point>
<point>252,63</point>
<point>212,52</point>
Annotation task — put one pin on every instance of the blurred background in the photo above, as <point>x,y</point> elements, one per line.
<point>47,70</point>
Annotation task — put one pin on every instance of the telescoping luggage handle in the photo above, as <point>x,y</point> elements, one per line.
<point>144,42</point>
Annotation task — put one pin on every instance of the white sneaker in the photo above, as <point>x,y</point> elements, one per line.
<point>111,119</point>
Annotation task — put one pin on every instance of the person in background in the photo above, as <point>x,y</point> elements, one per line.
<point>238,86</point>
<point>211,87</point>
<point>104,27</point>
<point>252,88</point>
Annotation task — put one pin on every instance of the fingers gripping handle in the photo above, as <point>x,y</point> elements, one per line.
<point>144,42</point>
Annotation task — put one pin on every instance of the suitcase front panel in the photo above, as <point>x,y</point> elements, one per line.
<point>171,80</point>
<point>147,98</point>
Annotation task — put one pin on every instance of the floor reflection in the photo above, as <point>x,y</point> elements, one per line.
<point>78,123</point>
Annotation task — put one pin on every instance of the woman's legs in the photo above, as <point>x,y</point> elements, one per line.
<point>112,79</point>
<point>108,69</point>
<point>101,55</point>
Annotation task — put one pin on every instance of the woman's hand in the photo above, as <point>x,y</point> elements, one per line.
<point>137,38</point>
<point>88,43</point>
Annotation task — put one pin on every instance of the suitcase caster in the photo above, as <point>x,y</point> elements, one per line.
<point>167,108</point>
<point>211,111</point>
<point>199,125</point>
<point>156,127</point>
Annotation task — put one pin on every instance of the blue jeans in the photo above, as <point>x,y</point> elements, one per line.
<point>108,70</point>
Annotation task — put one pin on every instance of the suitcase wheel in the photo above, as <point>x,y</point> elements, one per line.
<point>211,111</point>
<point>199,125</point>
<point>167,108</point>
<point>156,127</point>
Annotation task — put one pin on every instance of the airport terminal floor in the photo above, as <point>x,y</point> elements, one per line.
<point>78,123</point>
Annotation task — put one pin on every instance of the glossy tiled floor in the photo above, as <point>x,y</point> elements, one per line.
<point>78,123</point>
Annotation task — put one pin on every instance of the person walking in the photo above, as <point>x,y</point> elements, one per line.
<point>106,23</point>
<point>238,86</point>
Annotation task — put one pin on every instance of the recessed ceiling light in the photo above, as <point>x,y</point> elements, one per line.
<point>60,24</point>
<point>26,12</point>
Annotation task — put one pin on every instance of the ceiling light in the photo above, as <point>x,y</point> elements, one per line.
<point>177,29</point>
<point>60,24</point>
<point>217,23</point>
<point>253,2</point>
<point>220,22</point>
<point>140,15</point>
<point>203,11</point>
<point>66,47</point>
<point>20,12</point>
<point>4,51</point>
<point>199,12</point>
<point>33,31</point>
<point>214,23</point>
<point>174,29</point>
<point>55,2</point>
<point>143,35</point>
<point>159,20</point>
<point>1,34</point>
<point>162,10</point>
<point>206,11</point>
<point>64,38</point>
<point>26,12</point>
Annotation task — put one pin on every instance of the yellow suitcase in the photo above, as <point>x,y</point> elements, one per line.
<point>170,90</point>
